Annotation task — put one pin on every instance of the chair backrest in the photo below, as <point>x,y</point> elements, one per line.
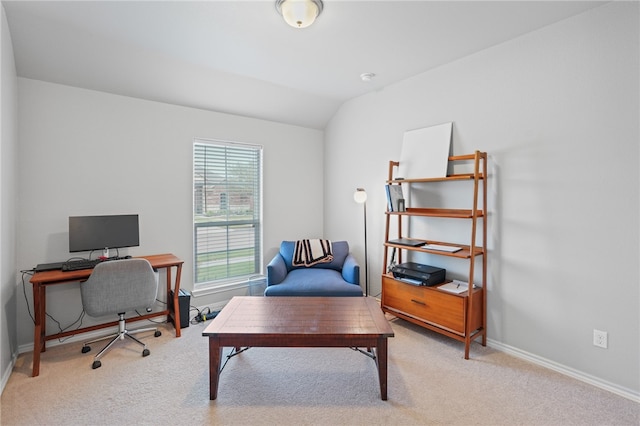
<point>118,286</point>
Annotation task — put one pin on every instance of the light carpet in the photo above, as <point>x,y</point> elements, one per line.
<point>429,384</point>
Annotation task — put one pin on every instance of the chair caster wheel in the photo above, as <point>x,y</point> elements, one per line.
<point>146,352</point>
<point>96,364</point>
<point>158,333</point>
<point>86,349</point>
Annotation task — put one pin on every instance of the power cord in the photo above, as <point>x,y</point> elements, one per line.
<point>202,315</point>
<point>78,321</point>
<point>149,310</point>
<point>24,291</point>
<point>60,328</point>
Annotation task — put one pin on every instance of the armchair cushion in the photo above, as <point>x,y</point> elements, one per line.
<point>317,282</point>
<point>340,277</point>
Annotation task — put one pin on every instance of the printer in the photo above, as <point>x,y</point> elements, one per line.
<point>418,274</point>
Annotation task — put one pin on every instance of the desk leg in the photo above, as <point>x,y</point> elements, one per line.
<point>176,291</point>
<point>39,309</point>
<point>215,357</point>
<point>381,356</point>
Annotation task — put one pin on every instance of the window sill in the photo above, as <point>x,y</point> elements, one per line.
<point>218,288</point>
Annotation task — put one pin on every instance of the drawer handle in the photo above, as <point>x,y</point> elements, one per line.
<point>419,302</point>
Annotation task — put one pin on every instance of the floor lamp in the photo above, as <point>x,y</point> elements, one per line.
<point>360,197</point>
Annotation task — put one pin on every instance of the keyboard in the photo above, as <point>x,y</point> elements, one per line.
<point>76,265</point>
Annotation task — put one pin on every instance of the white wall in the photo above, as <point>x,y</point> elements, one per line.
<point>85,152</point>
<point>8,184</point>
<point>557,111</point>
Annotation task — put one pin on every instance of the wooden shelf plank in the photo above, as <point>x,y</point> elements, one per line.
<point>462,176</point>
<point>431,212</point>
<point>464,253</point>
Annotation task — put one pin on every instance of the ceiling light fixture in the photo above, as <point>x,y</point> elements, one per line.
<point>299,13</point>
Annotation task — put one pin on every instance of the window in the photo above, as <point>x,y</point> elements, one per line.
<point>227,211</point>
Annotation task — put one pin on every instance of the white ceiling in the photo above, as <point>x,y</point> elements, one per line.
<point>241,58</point>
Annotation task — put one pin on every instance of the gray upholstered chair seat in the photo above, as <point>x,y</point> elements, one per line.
<point>114,288</point>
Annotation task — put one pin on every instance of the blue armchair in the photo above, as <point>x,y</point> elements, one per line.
<point>340,277</point>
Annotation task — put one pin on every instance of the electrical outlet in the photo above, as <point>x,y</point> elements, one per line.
<point>600,338</point>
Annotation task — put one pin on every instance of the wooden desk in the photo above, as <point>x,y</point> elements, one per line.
<point>41,280</point>
<point>299,322</point>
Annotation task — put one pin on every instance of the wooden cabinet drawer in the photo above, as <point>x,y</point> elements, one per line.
<point>427,304</point>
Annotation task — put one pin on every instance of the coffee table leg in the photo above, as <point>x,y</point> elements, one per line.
<point>381,356</point>
<point>215,357</point>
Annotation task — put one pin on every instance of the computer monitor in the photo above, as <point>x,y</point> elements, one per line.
<point>87,233</point>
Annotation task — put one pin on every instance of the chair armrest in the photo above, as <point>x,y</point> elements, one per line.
<point>276,270</point>
<point>351,270</point>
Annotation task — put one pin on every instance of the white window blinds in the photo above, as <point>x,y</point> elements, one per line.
<point>227,210</point>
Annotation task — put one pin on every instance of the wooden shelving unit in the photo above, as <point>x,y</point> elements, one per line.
<point>460,316</point>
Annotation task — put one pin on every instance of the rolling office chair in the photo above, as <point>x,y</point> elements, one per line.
<point>115,287</point>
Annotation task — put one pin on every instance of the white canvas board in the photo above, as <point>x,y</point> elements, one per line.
<point>425,152</point>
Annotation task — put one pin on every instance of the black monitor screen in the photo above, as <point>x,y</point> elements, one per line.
<point>88,233</point>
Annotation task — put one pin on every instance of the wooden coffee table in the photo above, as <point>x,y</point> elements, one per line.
<point>299,322</point>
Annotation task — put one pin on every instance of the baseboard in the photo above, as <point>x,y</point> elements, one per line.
<point>7,372</point>
<point>567,371</point>
<point>86,336</point>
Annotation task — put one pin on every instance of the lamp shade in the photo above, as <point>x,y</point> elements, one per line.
<point>299,13</point>
<point>360,196</point>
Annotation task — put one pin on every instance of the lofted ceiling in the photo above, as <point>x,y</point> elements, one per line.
<point>240,57</point>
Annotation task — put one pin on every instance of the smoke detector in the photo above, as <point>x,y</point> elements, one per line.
<point>367,76</point>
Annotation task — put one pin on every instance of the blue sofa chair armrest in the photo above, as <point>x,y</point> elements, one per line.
<point>351,270</point>
<point>276,270</point>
